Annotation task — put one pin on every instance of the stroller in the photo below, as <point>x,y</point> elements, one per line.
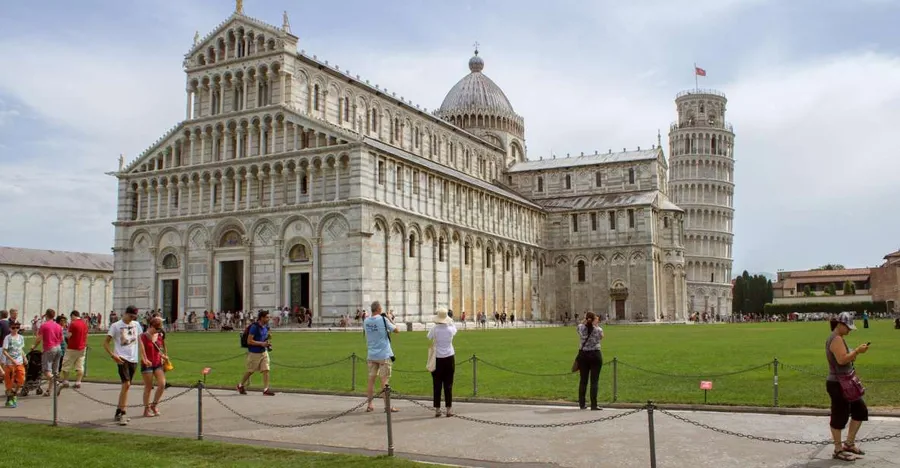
<point>33,374</point>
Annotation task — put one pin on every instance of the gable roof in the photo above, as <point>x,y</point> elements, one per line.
<point>234,18</point>
<point>609,201</point>
<point>55,259</point>
<point>586,160</point>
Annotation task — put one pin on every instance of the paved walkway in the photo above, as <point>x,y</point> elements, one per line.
<point>620,442</point>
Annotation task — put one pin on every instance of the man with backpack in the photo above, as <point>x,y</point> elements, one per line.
<point>380,356</point>
<point>256,339</point>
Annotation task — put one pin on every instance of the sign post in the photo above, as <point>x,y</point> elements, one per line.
<point>706,386</point>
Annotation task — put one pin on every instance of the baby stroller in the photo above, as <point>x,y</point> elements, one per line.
<point>33,374</point>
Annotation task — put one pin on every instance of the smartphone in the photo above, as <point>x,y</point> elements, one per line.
<point>869,343</point>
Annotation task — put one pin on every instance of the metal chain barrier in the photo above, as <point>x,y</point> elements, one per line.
<point>290,426</point>
<point>396,394</point>
<point>746,436</point>
<point>802,370</point>
<point>411,371</point>
<point>312,366</point>
<point>694,376</point>
<point>531,374</point>
<point>141,405</point>
<point>215,361</point>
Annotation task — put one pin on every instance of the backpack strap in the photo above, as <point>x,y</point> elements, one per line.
<point>386,331</point>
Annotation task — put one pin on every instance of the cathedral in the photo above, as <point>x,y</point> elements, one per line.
<point>292,183</point>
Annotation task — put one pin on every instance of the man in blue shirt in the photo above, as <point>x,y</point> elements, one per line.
<point>258,346</point>
<point>380,355</point>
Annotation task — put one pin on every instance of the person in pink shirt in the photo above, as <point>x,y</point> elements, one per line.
<point>50,335</point>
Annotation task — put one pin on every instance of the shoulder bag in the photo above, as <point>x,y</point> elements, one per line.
<point>167,364</point>
<point>388,333</point>
<point>575,367</point>
<point>431,363</point>
<point>851,387</point>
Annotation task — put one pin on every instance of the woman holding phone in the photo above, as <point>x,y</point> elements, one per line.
<point>844,388</point>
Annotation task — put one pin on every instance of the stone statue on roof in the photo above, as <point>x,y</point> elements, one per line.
<point>196,37</point>
<point>121,162</point>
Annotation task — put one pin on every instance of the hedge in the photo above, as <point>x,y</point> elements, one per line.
<point>824,307</point>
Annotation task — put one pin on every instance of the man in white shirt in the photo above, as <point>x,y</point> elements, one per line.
<point>124,335</point>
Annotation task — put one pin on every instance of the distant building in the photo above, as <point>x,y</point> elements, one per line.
<point>886,282</point>
<point>33,281</point>
<point>792,285</point>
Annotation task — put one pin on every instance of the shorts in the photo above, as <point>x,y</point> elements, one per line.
<point>14,376</point>
<point>841,409</point>
<point>73,358</point>
<point>258,362</point>
<point>150,370</point>
<point>126,371</point>
<point>381,368</point>
<point>50,360</point>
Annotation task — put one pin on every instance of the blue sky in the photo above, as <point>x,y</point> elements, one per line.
<point>813,88</point>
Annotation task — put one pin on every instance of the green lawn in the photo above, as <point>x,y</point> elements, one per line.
<point>693,352</point>
<point>39,446</point>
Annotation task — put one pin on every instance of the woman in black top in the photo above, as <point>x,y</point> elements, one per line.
<point>590,360</point>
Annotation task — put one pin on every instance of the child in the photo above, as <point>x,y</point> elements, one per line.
<point>12,358</point>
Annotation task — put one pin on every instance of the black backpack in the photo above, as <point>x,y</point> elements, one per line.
<point>244,336</point>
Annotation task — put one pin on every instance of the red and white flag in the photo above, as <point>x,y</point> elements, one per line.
<point>699,71</point>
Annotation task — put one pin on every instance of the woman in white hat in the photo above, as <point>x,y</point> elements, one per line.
<point>445,361</point>
<point>844,388</point>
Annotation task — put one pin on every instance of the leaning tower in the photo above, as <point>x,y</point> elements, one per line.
<point>701,182</point>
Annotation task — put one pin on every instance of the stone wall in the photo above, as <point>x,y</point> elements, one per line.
<point>33,290</point>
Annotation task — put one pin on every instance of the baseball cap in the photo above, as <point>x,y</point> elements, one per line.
<point>847,319</point>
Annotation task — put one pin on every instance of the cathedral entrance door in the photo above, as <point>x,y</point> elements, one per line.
<point>620,309</point>
<point>299,290</point>
<point>170,300</point>
<point>231,285</point>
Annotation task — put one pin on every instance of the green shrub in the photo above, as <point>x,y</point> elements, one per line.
<point>824,307</point>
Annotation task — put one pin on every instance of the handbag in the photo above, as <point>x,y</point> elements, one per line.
<point>431,363</point>
<point>851,387</point>
<point>167,363</point>
<point>575,367</point>
<point>388,333</point>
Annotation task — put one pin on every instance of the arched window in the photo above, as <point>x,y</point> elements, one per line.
<point>488,258</point>
<point>346,108</point>
<point>298,253</point>
<point>599,178</point>
<point>581,271</point>
<point>441,249</point>
<point>568,182</point>
<point>466,251</point>
<point>540,184</point>
<point>412,246</point>
<point>631,175</point>
<point>373,124</point>
<point>316,97</point>
<point>170,262</point>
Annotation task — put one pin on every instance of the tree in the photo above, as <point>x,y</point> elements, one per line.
<point>738,293</point>
<point>829,290</point>
<point>849,288</point>
<point>831,266</point>
<point>806,291</point>
<point>751,294</point>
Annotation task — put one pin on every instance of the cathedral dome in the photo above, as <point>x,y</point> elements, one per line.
<point>476,93</point>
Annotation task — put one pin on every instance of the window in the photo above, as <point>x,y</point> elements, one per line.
<point>574,223</point>
<point>568,182</point>
<point>170,262</point>
<point>598,179</point>
<point>593,221</point>
<point>415,182</point>
<point>430,186</point>
<point>712,277</point>
<point>316,97</point>
<point>631,218</point>
<point>466,251</point>
<point>540,184</point>
<point>441,249</point>
<point>612,220</point>
<point>175,198</point>
<point>509,180</point>
<point>398,180</point>
<point>304,184</point>
<point>374,121</point>
<point>346,108</point>
<point>380,172</point>
<point>508,262</point>
<point>631,176</point>
<point>581,271</point>
<point>412,246</point>
<point>666,222</point>
<point>488,259</point>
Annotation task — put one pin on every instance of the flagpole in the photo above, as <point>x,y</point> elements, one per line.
<point>696,82</point>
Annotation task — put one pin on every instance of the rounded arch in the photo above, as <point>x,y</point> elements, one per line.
<point>297,250</point>
<point>300,222</point>
<point>168,259</point>
<point>226,225</point>
<point>174,237</point>
<point>332,224</point>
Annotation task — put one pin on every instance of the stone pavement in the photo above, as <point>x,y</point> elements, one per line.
<point>621,442</point>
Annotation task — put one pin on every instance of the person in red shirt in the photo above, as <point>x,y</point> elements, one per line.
<point>76,344</point>
<point>49,335</point>
<point>152,353</point>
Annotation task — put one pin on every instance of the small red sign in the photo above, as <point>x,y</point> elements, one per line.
<point>206,370</point>
<point>706,385</point>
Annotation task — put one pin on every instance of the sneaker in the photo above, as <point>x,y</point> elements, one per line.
<point>14,405</point>
<point>118,417</point>
<point>9,403</point>
<point>241,389</point>
<point>124,420</point>
<point>268,392</point>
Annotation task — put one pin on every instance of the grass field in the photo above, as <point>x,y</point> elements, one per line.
<point>691,352</point>
<point>68,447</point>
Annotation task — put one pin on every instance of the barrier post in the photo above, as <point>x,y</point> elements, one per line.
<point>652,434</point>
<point>474,375</point>
<point>353,372</point>
<point>390,428</point>
<point>615,379</point>
<point>775,384</point>
<point>199,410</point>
<point>54,387</point>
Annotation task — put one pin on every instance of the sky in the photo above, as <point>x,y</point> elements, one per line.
<point>813,93</point>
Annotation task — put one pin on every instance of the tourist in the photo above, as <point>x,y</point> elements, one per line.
<point>153,356</point>
<point>445,361</point>
<point>590,360</point>
<point>484,321</point>
<point>12,359</point>
<point>50,335</point>
<point>63,323</point>
<point>380,356</point>
<point>205,320</point>
<point>842,374</point>
<point>74,356</point>
<point>124,336</point>
<point>865,318</point>
<point>462,318</point>
<point>4,326</point>
<point>258,347</point>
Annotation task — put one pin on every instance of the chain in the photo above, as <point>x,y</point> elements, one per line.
<point>115,405</point>
<point>216,361</point>
<point>695,376</point>
<point>521,425</point>
<point>522,373</point>
<point>313,366</point>
<point>746,436</point>
<point>879,438</point>
<point>361,361</point>
<point>289,426</point>
<point>801,370</point>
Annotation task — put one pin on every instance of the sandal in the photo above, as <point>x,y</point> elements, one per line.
<point>370,409</point>
<point>154,409</point>
<point>852,448</point>
<point>393,410</point>
<point>148,413</point>
<point>841,455</point>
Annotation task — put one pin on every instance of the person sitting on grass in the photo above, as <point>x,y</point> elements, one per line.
<point>12,358</point>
